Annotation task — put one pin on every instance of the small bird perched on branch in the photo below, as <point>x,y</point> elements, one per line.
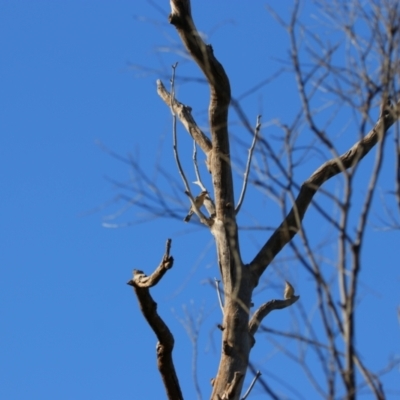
<point>199,200</point>
<point>289,291</point>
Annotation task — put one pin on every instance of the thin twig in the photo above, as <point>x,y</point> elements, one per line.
<point>219,294</point>
<point>175,147</point>
<point>193,326</point>
<point>174,137</point>
<point>291,224</point>
<point>208,202</point>
<point>247,170</point>
<point>264,385</point>
<point>196,168</point>
<point>258,374</point>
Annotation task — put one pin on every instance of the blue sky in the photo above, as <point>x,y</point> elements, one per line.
<point>70,326</point>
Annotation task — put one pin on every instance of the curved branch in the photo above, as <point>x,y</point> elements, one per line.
<point>253,382</point>
<point>265,309</point>
<point>291,224</point>
<point>141,284</point>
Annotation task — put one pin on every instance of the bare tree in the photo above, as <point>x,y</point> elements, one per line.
<point>368,39</point>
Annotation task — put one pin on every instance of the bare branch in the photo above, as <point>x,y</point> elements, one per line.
<point>258,374</point>
<point>184,114</point>
<point>371,380</point>
<point>143,281</point>
<point>264,385</point>
<point>265,309</point>
<point>247,170</point>
<point>195,206</point>
<point>148,306</point>
<point>193,326</point>
<point>219,295</point>
<point>354,86</point>
<point>174,136</point>
<point>208,203</point>
<point>295,336</point>
<point>196,168</point>
<point>220,95</point>
<point>291,224</point>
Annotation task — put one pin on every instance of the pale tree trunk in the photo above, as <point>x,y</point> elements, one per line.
<point>238,327</point>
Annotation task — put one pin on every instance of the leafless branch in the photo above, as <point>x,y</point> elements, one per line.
<point>291,224</point>
<point>265,309</point>
<point>196,167</point>
<point>354,87</point>
<point>184,114</point>
<point>174,136</point>
<point>141,284</point>
<point>247,170</point>
<point>219,295</point>
<point>257,375</point>
<point>192,323</point>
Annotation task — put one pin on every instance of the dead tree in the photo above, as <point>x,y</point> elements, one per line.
<point>239,325</point>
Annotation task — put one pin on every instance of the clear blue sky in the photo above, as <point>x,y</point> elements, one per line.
<point>70,326</point>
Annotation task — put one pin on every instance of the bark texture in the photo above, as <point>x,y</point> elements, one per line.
<point>239,280</point>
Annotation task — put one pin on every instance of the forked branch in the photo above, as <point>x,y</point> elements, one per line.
<point>141,284</point>
<point>291,224</point>
<point>220,96</point>
<point>184,113</point>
